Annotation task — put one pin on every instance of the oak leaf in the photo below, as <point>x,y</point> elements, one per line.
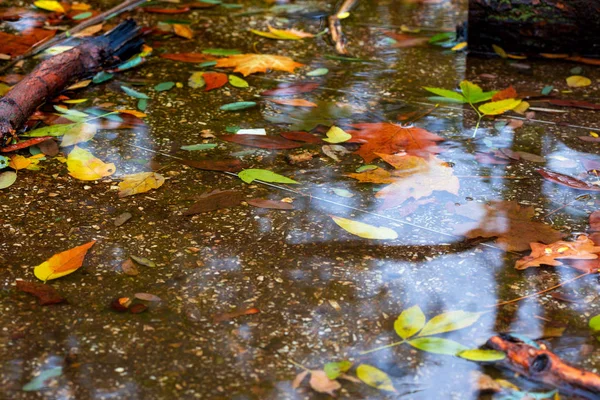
<point>582,249</point>
<point>141,182</point>
<point>247,64</point>
<point>508,221</point>
<point>62,264</point>
<point>388,138</point>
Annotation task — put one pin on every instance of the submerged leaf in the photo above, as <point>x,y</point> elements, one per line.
<point>363,230</point>
<point>582,249</point>
<point>62,264</point>
<point>249,175</point>
<point>449,321</point>
<point>374,377</point>
<point>141,182</point>
<point>333,370</point>
<point>240,105</point>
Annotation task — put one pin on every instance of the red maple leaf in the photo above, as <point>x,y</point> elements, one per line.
<point>388,138</point>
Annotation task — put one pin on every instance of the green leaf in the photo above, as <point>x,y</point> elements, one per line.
<point>70,112</point>
<point>4,161</point>
<point>207,64</point>
<point>201,146</point>
<point>102,76</point>
<point>52,130</point>
<point>447,94</point>
<point>450,321</point>
<point>240,105</point>
<point>82,15</point>
<point>143,261</point>
<point>134,93</point>
<point>39,382</point>
<point>547,90</point>
<point>409,322</point>
<point>196,80</point>
<point>142,104</point>
<point>439,99</point>
<point>318,72</point>
<point>221,52</point>
<point>334,369</point>
<point>473,93</point>
<point>500,51</point>
<point>595,323</point>
<point>249,175</point>
<point>482,355</point>
<point>499,107</point>
<point>7,178</point>
<point>442,37</point>
<point>437,345</point>
<point>363,230</point>
<point>237,82</point>
<point>164,86</point>
<point>367,167</point>
<point>374,377</point>
<point>337,135</point>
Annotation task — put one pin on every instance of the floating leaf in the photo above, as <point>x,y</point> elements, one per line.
<point>281,34</point>
<point>322,384</point>
<point>337,135</point>
<point>102,76</point>
<point>473,93</point>
<point>143,261</point>
<point>199,147</point>
<point>363,230</point>
<point>499,107</point>
<point>164,86</point>
<point>449,321</point>
<point>134,93</point>
<point>237,82</point>
<point>567,180</point>
<point>247,64</point>
<point>45,294</point>
<point>595,323</point>
<point>214,80</point>
<point>84,166</point>
<point>141,182</point>
<point>409,322</point>
<point>62,264</point>
<point>196,80</point>
<point>49,5</point>
<point>482,355</point>
<point>448,95</point>
<point>240,105</point>
<point>183,30</point>
<point>499,50</point>
<point>7,179</point>
<point>301,136</point>
<point>221,52</point>
<point>437,345</point>
<point>52,130</point>
<point>333,370</point>
<point>374,377</point>
<point>249,175</point>
<point>294,102</point>
<point>576,81</point>
<point>582,249</point>
<point>288,89</point>
<point>318,72</point>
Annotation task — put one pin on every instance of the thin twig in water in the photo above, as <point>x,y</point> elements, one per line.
<point>335,26</point>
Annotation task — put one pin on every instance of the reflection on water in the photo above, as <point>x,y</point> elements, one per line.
<point>323,294</point>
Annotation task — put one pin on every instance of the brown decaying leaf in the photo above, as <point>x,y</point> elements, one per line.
<point>19,44</point>
<point>299,378</point>
<point>589,139</point>
<point>582,249</point>
<point>214,80</point>
<point>45,294</point>
<point>507,220</point>
<point>235,314</point>
<point>322,384</point>
<point>567,180</point>
<point>129,268</point>
<point>294,102</point>
<point>49,147</point>
<point>289,89</point>
<point>388,138</point>
<point>230,165</point>
<point>262,141</point>
<point>378,175</point>
<point>215,200</point>
<point>508,93</point>
<point>272,204</point>
<point>301,136</point>
<point>188,57</point>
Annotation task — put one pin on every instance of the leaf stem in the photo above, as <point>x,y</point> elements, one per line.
<point>298,364</point>
<point>362,353</point>
<point>480,115</point>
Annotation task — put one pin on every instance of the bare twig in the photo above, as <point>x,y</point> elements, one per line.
<point>335,26</point>
<point>122,7</point>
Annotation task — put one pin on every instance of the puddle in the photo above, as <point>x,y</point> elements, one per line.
<point>323,294</point>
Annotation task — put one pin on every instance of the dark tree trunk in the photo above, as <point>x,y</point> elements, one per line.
<point>535,26</point>
<point>54,74</point>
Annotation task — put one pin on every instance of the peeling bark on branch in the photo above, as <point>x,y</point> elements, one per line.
<point>54,74</point>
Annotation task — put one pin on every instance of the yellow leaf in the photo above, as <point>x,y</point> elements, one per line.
<point>594,134</point>
<point>578,81</point>
<point>183,31</point>
<point>337,135</point>
<point>62,264</point>
<point>18,162</point>
<point>80,6</point>
<point>78,134</point>
<point>499,50</point>
<point>521,108</point>
<point>248,64</point>
<point>343,15</point>
<point>374,377</point>
<point>459,46</point>
<point>84,166</point>
<point>75,101</point>
<point>140,183</point>
<point>290,34</point>
<point>79,85</point>
<point>363,230</point>
<point>49,5</point>
<point>516,57</point>
<point>499,107</point>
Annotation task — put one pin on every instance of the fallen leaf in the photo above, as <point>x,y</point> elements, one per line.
<point>62,264</point>
<point>39,382</point>
<point>249,175</point>
<point>378,175</point>
<point>196,80</point>
<point>84,166</point>
<point>231,165</point>
<point>238,82</point>
<point>290,89</point>
<point>337,135</point>
<point>143,261</point>
<point>183,31</point>
<point>299,378</point>
<point>388,138</point>
<point>576,81</point>
<point>45,294</point>
<point>409,322</point>
<point>595,221</point>
<point>215,200</point>
<point>582,249</point>
<point>363,230</point>
<point>188,57</point>
<point>437,177</point>
<point>272,204</point>
<point>156,10</point>
<point>508,93</point>
<point>294,102</point>
<point>141,182</point>
<point>79,133</point>
<point>374,377</point>
<point>507,220</point>
<point>247,64</point>
<point>567,180</point>
<point>122,218</point>
<point>147,297</point>
<point>235,314</point>
<point>214,80</point>
<point>49,5</point>
<point>262,141</point>
<point>129,268</point>
<point>301,136</point>
<point>19,44</point>
<point>238,105</point>
<point>283,34</point>
<point>574,103</point>
<point>7,178</point>
<point>498,107</point>
<point>322,384</point>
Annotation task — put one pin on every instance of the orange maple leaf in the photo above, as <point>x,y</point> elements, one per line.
<point>388,138</point>
<point>582,249</point>
<point>248,64</point>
